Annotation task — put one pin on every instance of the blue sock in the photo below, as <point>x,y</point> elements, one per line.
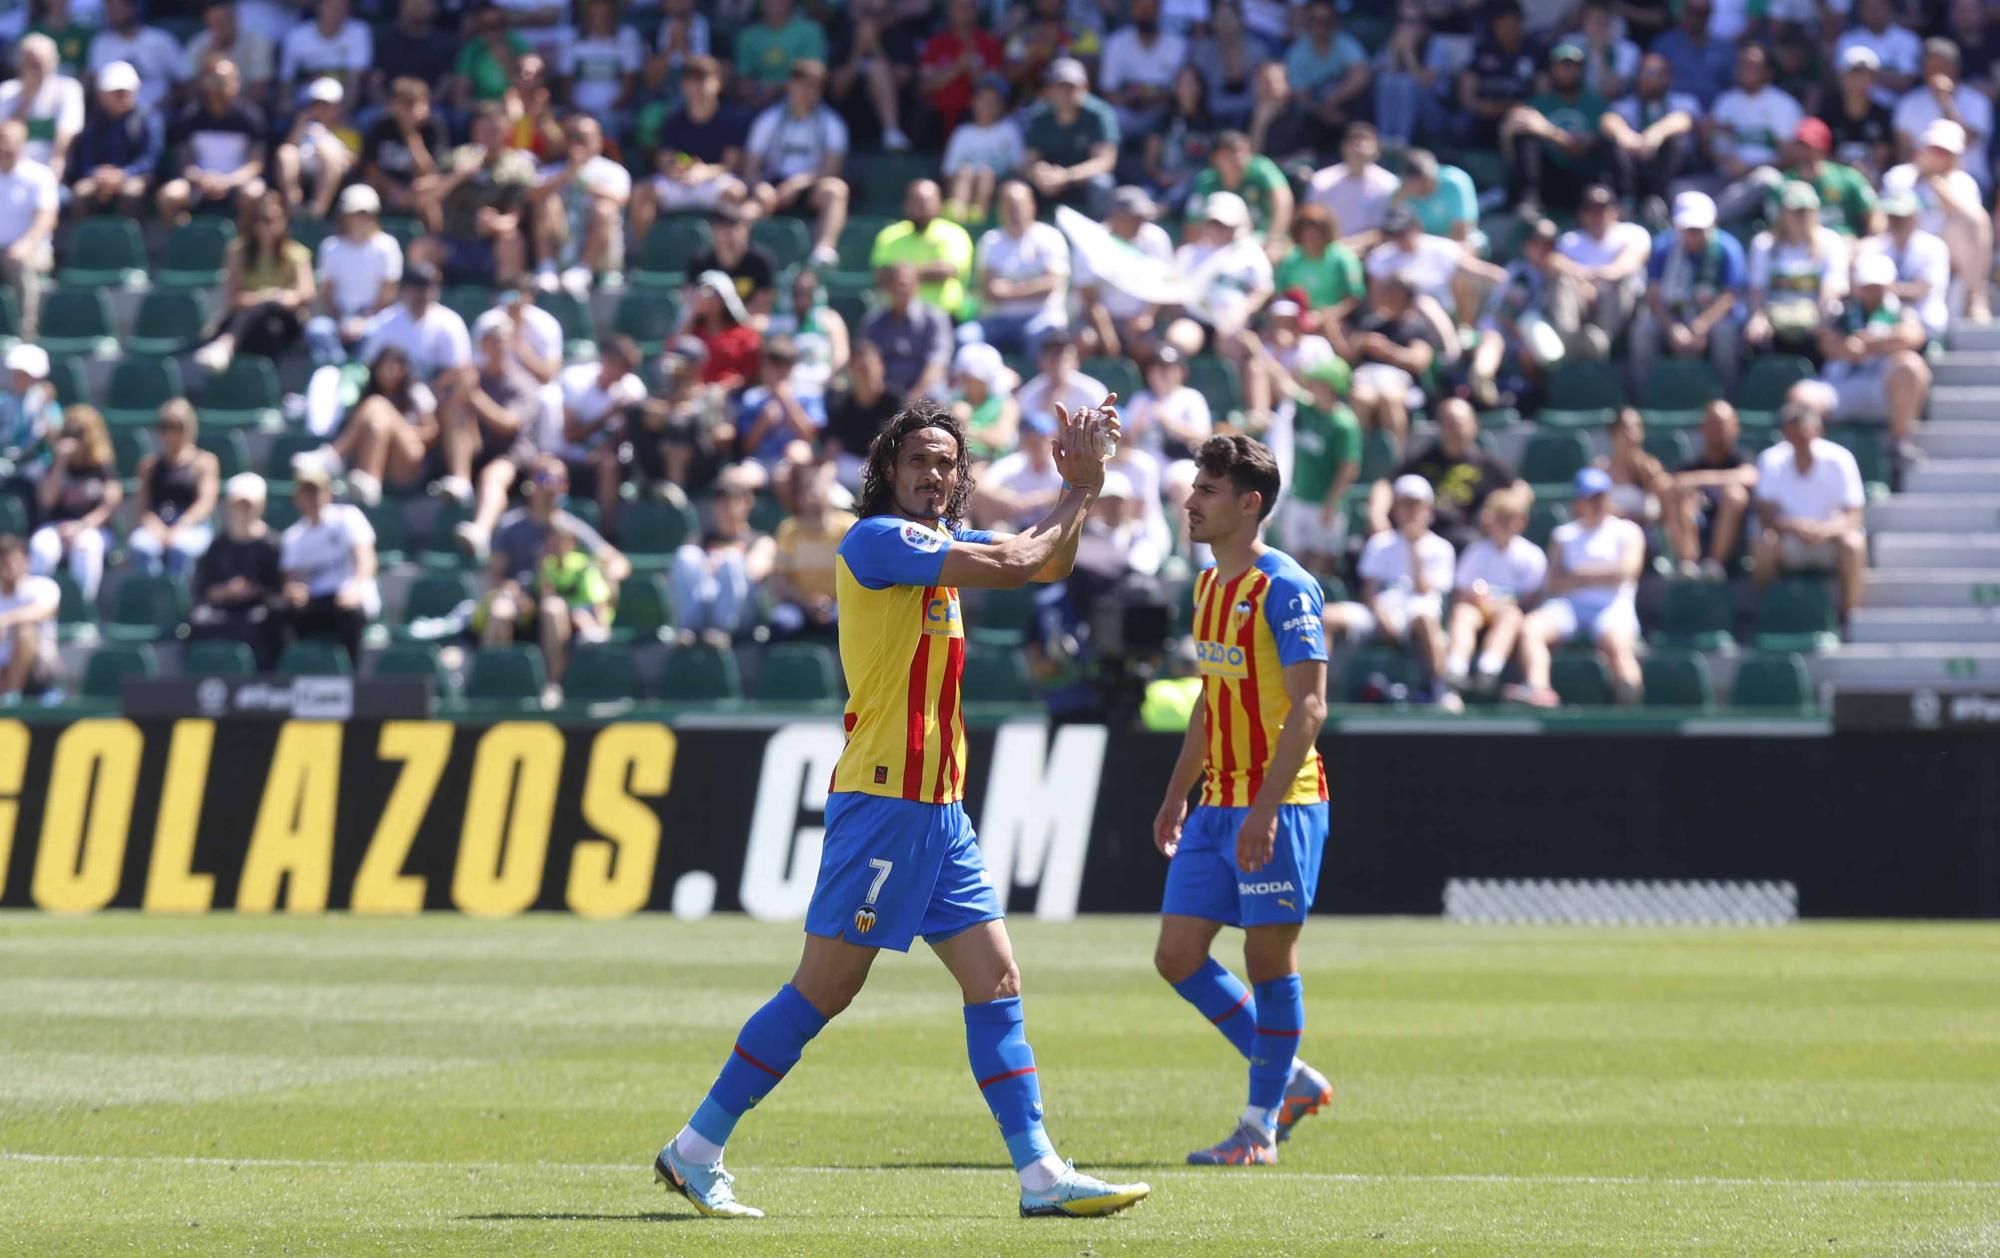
<point>996,1041</point>
<point>1221,997</point>
<point>767,1047</point>
<point>1281,1016</point>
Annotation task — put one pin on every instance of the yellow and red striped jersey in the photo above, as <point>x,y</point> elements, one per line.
<point>902,647</point>
<point>1246,630</point>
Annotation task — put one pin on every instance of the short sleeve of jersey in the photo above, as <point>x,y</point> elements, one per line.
<point>887,550</point>
<point>1292,608</point>
<point>978,536</point>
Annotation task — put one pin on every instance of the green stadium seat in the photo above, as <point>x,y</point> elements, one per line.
<point>280,512</point>
<point>1696,615</point>
<point>214,657</point>
<point>10,315</point>
<point>414,659</point>
<point>438,550</point>
<point>1864,442</point>
<point>231,451</point>
<point>1580,679</point>
<point>314,657</point>
<point>649,318</point>
<point>284,447</point>
<point>1588,418</point>
<point>1767,378</point>
<point>404,228</point>
<point>391,538</point>
<point>467,301</point>
<point>664,256</point>
<point>1797,614</point>
<point>1681,384</point>
<point>505,678</point>
<point>645,611</point>
<point>1379,456</point>
<point>601,673</point>
<point>798,674</point>
<point>1542,520</point>
<point>137,389</point>
<point>1672,448</point>
<point>650,530</point>
<point>996,675</point>
<point>431,595</point>
<point>852,307</point>
<point>1671,419</point>
<point>1003,617</point>
<point>105,251</point>
<point>1677,679</point>
<point>128,447</point>
<point>76,619</point>
<point>14,514</point>
<point>146,608</point>
<point>77,321</point>
<point>244,396</point>
<point>884,178</point>
<point>578,328</point>
<point>1772,683</point>
<point>766,512</point>
<point>192,256</point>
<point>1215,378</point>
<point>1368,661</point>
<point>1498,417</point>
<point>1118,375</point>
<point>855,272</point>
<point>1586,385</point>
<point>109,667</point>
<point>310,231</point>
<point>699,674</point>
<point>1554,457</point>
<point>786,238</point>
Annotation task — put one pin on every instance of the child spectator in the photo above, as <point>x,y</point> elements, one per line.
<point>980,153</point>
<point>572,581</point>
<point>1497,576</point>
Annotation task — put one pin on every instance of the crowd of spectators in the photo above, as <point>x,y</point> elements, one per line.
<point>1359,232</point>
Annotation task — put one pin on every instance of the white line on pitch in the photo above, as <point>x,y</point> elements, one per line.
<point>1331,1177</point>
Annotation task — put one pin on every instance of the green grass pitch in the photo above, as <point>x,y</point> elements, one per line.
<point>447,1086</point>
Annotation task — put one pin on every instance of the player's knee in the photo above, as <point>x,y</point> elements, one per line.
<point>1176,960</point>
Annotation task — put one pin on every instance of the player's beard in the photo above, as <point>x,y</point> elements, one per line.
<point>925,504</point>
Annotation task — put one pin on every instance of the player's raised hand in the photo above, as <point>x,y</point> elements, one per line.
<point>1256,840</point>
<point>1167,826</point>
<point>1076,453</point>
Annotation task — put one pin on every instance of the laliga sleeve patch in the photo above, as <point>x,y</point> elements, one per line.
<point>919,538</point>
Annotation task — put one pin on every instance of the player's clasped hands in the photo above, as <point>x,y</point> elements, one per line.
<point>1085,440</point>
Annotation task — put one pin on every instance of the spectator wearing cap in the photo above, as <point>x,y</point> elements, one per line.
<point>1406,573</point>
<point>1072,142</point>
<point>512,608</point>
<point>1520,315</point>
<point>983,400</point>
<point>1702,64</point>
<point>955,63</point>
<point>981,152</point>
<point>1923,263</point>
<point>358,269</point>
<point>1233,167</point>
<point>1696,282</point>
<point>1747,124</point>
<point>1167,419</point>
<point>914,336</point>
<point>1496,578</point>
<point>1499,77</point>
<point>804,555</point>
<point>1942,94</point>
<point>478,197</point>
<point>1326,460</point>
<point>29,200</point>
<point>312,161</point>
<point>715,581</point>
<point>1798,275</point>
<point>1708,496</point>
<point>1019,488</point>
<point>1444,272</point>
<point>1443,198</point>
<point>1654,132</point>
<point>112,162</point>
<point>1022,273</point>
<point>1872,345</point>
<point>28,607</point>
<point>1392,348</point>
<point>156,56</point>
<point>1358,190</point>
<point>403,146</point>
<point>48,103</point>
<point>1233,280</point>
<point>1843,198</point>
<point>1593,578</point>
<point>1608,256</point>
<point>750,267</point>
<point>939,249</point>
<point>796,149</point>
<point>1058,380</point>
<point>717,321</point>
<point>431,335</point>
<point>1320,265</point>
<point>267,287</point>
<point>1138,65</point>
<point>224,36</point>
<point>1809,504</point>
<point>1863,129</point>
<point>334,44</point>
<point>1950,207</point>
<point>777,421</point>
<point>490,428</point>
<point>1328,67</point>
<point>1461,473</point>
<point>238,579</point>
<point>1898,52</point>
<point>1551,142</point>
<point>29,417</point>
<point>767,50</point>
<point>578,211</point>
<point>1112,317</point>
<point>698,161</point>
<point>178,484</point>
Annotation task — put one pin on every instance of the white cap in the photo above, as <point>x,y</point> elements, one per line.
<point>1694,211</point>
<point>1874,268</point>
<point>1947,135</point>
<point>1857,56</point>
<point>1414,487</point>
<point>326,92</point>
<point>359,198</point>
<point>1226,208</point>
<point>247,486</point>
<point>32,359</point>
<point>1117,485</point>
<point>119,76</point>
<point>981,362</point>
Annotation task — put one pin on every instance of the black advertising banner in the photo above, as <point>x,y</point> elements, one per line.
<point>194,815</point>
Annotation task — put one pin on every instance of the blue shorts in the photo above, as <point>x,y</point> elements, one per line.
<point>1203,881</point>
<point>893,869</point>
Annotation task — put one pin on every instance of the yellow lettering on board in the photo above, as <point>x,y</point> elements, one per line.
<point>612,876</point>
<point>509,808</point>
<point>423,748</point>
<point>13,775</point>
<point>172,886</point>
<point>92,780</point>
<point>291,845</point>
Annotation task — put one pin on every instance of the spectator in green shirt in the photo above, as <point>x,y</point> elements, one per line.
<point>1233,167</point>
<point>1325,270</point>
<point>939,249</point>
<point>485,66</point>
<point>1846,202</point>
<point>1072,141</point>
<point>1326,460</point>
<point>72,37</point>
<point>765,52</point>
<point>1550,142</point>
<point>1442,196</point>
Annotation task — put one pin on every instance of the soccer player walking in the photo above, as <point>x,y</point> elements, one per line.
<point>1249,853</point>
<point>899,857</point>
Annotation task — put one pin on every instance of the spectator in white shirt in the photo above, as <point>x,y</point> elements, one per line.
<point>1593,579</point>
<point>1138,66</point>
<point>1021,487</point>
<point>312,156</point>
<point>1872,346</point>
<point>1610,256</point>
<point>1442,269</point>
<point>1900,52</point>
<point>28,606</point>
<point>1022,270</point>
<point>328,557</point>
<point>1923,263</point>
<point>359,268</point>
<point>1058,381</point>
<point>1358,190</point>
<point>1111,316</point>
<point>333,45</point>
<point>1167,419</point>
<point>156,55</point>
<point>28,206</point>
<point>980,152</point>
<point>1406,573</point>
<point>1231,276</point>
<point>1746,126</point>
<point>430,335</point>
<point>579,210</point>
<point>45,101</point>
<point>797,148</point>
<point>600,67</point>
<point>1942,95</point>
<point>223,35</point>
<point>596,399</point>
<point>1809,502</point>
<point>1952,209</point>
<point>1497,576</point>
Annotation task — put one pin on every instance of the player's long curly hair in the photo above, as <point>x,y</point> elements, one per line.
<point>878,475</point>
